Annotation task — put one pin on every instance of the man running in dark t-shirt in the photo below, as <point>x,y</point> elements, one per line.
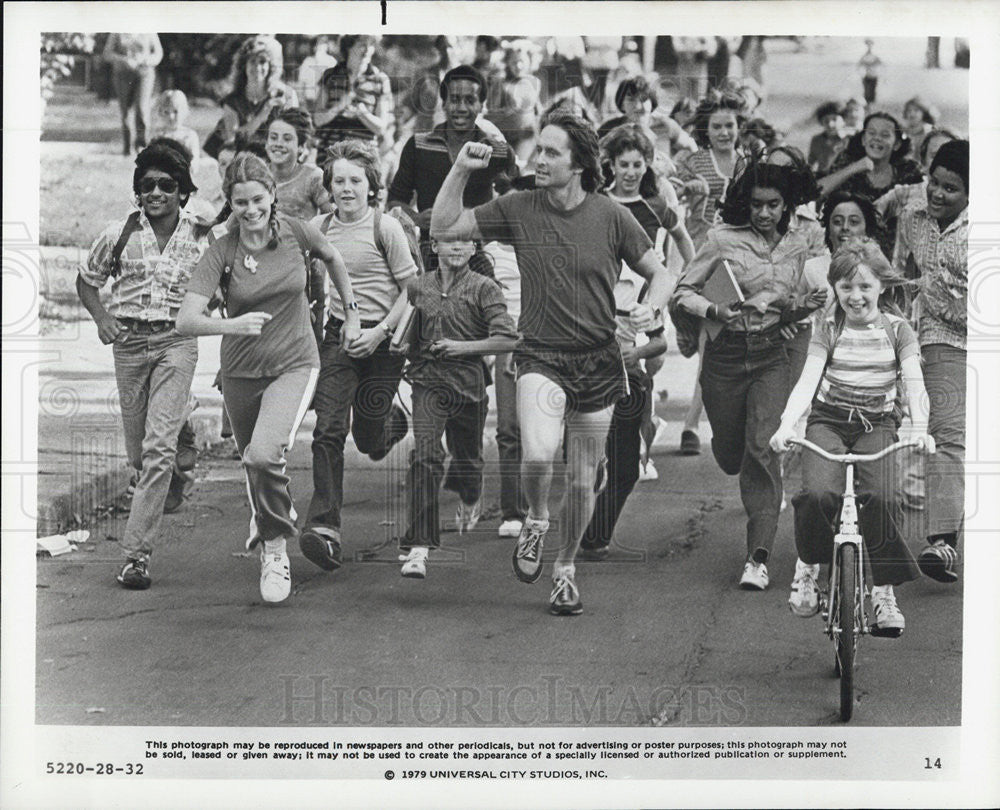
<point>570,243</point>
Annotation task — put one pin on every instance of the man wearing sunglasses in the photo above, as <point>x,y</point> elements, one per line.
<point>150,256</point>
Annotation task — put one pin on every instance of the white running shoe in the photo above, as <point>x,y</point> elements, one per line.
<point>527,557</point>
<point>754,576</point>
<point>414,563</point>
<point>510,528</point>
<point>275,578</point>
<point>888,619</point>
<point>565,597</point>
<point>804,598</point>
<point>647,472</point>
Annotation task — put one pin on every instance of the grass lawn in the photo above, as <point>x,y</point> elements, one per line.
<point>85,180</point>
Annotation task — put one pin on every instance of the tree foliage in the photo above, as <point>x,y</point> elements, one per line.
<point>58,55</point>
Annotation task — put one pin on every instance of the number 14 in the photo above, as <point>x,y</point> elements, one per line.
<point>928,764</point>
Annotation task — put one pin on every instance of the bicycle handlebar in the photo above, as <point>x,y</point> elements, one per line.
<point>851,458</point>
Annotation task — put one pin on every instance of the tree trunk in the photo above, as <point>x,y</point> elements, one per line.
<point>933,58</point>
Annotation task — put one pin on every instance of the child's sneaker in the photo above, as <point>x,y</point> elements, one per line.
<point>414,563</point>
<point>275,577</point>
<point>510,528</point>
<point>135,575</point>
<point>888,621</point>
<point>804,598</point>
<point>321,547</point>
<point>937,561</point>
<point>754,576</point>
<point>647,472</point>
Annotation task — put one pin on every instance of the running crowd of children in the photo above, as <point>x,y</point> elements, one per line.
<point>546,253</point>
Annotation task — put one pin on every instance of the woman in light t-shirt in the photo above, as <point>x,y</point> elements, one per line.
<point>269,357</point>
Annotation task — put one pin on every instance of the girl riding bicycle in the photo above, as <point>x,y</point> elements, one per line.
<point>855,360</point>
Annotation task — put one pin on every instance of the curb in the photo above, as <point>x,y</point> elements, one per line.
<point>76,504</point>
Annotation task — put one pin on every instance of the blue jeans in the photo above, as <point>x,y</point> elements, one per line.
<point>944,379</point>
<point>352,394</point>
<point>745,382</point>
<point>440,410</point>
<point>154,374</point>
<point>880,514</point>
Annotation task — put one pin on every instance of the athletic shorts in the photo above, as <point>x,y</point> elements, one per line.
<point>592,379</point>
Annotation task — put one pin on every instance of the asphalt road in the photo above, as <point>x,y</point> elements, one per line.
<point>666,637</point>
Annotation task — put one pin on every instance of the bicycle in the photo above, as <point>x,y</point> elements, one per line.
<point>843,611</point>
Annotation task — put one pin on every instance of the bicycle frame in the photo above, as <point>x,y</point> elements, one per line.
<point>848,534</point>
<point>846,623</point>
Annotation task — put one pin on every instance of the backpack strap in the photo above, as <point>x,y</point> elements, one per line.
<point>131,226</point>
<point>891,328</point>
<point>379,240</point>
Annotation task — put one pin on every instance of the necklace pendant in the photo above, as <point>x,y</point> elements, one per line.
<point>250,263</point>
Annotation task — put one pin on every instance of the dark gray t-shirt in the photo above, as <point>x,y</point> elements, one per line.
<point>569,263</point>
<point>277,286</point>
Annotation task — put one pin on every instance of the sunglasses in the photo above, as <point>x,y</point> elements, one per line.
<point>166,184</point>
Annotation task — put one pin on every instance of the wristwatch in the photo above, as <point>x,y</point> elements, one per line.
<point>353,305</point>
<point>657,313</point>
<point>386,328</point>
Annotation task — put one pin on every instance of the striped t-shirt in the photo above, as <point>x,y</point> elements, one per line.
<point>863,364</point>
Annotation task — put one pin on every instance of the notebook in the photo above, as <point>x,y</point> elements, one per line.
<point>406,331</point>
<point>723,291</point>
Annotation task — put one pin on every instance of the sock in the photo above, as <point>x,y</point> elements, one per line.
<point>563,569</point>
<point>275,546</point>
<point>759,556</point>
<point>951,538</point>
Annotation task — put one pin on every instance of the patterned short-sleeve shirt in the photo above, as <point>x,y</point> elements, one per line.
<point>941,258</point>
<point>151,284</point>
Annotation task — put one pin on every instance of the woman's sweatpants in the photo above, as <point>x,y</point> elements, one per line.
<point>817,506</point>
<point>745,385</point>
<point>265,413</point>
<point>438,411</point>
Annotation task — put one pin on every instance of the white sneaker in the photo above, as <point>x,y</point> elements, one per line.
<point>888,619</point>
<point>565,597</point>
<point>468,516</point>
<point>510,528</point>
<point>275,578</point>
<point>415,563</point>
<point>754,576</point>
<point>804,598</point>
<point>647,472</point>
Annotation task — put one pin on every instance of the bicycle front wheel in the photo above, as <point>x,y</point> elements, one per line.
<point>847,638</point>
